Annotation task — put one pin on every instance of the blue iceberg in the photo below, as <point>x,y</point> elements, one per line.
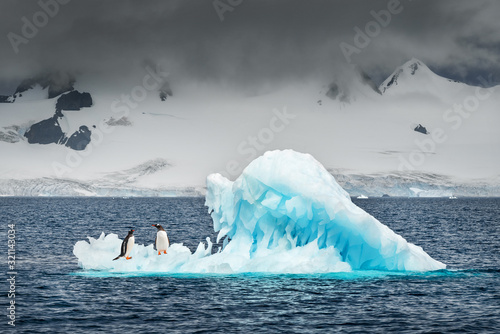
<point>285,200</point>
<point>284,214</point>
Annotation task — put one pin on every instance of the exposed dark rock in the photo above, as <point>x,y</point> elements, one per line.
<point>385,195</point>
<point>80,139</point>
<point>414,68</point>
<point>10,134</point>
<point>13,128</point>
<point>393,81</point>
<point>9,137</point>
<point>5,99</point>
<point>118,122</point>
<point>165,91</point>
<point>73,101</point>
<point>333,91</point>
<point>421,129</point>
<point>47,131</point>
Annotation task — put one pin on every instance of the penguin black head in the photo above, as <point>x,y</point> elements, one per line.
<point>158,226</point>
<point>131,232</point>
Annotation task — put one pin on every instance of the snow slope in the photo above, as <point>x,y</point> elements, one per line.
<point>205,128</point>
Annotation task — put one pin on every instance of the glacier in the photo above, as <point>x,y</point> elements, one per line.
<point>284,214</point>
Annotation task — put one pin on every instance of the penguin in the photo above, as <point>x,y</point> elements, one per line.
<point>127,245</point>
<point>161,241</point>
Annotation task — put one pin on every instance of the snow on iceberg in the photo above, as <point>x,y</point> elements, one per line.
<point>98,254</point>
<point>284,214</point>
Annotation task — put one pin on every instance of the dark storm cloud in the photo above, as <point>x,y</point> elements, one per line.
<point>258,41</point>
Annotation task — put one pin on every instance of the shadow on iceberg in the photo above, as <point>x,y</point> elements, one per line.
<point>284,214</point>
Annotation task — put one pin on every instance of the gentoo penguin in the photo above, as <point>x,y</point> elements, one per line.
<point>127,245</point>
<point>161,241</point>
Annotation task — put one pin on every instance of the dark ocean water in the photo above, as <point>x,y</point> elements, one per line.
<point>53,295</point>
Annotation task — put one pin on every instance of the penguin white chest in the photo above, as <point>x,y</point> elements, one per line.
<point>162,241</point>
<point>130,244</point>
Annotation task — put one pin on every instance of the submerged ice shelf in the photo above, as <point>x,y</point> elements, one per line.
<point>284,214</point>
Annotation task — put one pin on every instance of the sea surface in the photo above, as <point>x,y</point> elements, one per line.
<point>54,295</point>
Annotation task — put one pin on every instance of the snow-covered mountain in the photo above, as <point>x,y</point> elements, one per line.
<point>415,76</point>
<point>44,85</point>
<point>96,135</point>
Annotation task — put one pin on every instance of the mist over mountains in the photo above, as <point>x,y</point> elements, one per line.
<point>254,43</point>
<point>412,135</point>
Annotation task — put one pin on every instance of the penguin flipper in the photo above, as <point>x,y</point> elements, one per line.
<point>154,245</point>
<point>124,246</point>
<point>116,258</point>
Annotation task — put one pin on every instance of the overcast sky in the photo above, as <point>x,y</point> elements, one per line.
<point>257,41</point>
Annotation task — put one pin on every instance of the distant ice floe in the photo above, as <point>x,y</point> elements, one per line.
<point>284,214</point>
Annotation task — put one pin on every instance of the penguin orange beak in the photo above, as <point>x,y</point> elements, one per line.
<point>153,225</point>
